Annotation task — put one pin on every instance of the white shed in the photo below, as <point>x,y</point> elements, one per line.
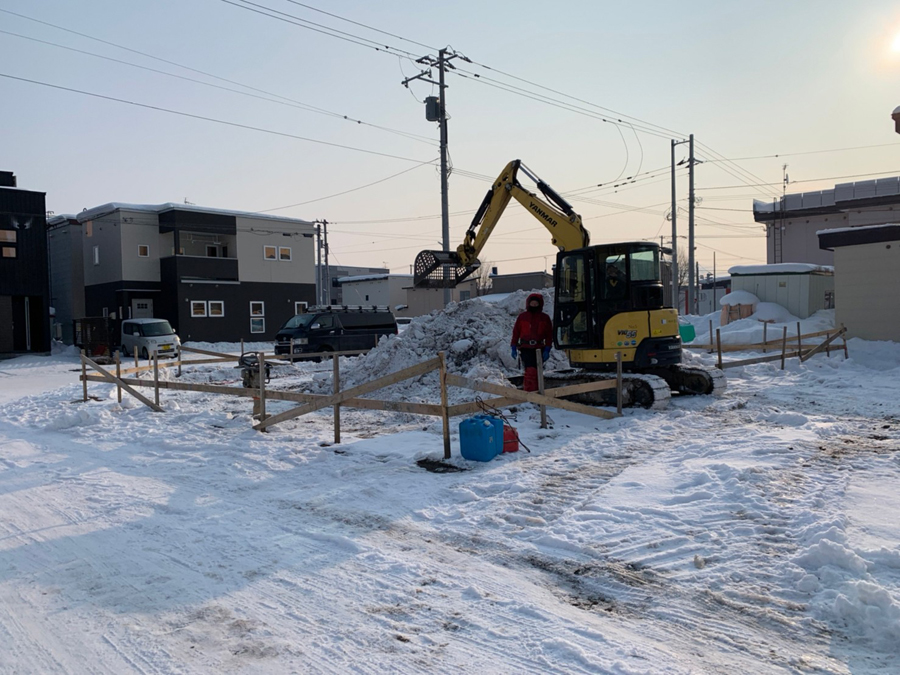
<point>866,264</point>
<point>801,288</point>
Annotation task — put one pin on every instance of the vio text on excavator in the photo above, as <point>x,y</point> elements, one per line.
<point>608,299</point>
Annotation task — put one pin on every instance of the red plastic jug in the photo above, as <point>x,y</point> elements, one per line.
<point>510,439</point>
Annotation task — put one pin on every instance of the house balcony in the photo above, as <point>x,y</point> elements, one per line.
<point>198,268</point>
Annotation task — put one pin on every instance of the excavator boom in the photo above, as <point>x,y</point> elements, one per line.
<point>446,269</point>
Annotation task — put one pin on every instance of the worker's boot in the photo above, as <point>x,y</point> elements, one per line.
<point>530,382</point>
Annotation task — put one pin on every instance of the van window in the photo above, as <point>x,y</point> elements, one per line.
<point>325,321</point>
<point>299,321</point>
<point>363,320</point>
<point>156,329</point>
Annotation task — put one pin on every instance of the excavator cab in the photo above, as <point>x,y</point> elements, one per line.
<point>609,299</point>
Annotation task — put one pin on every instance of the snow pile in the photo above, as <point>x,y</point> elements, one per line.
<point>772,312</point>
<point>844,592</point>
<point>474,335</point>
<point>739,298</point>
<point>769,317</point>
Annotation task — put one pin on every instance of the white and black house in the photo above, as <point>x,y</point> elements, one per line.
<point>24,288</point>
<point>215,275</point>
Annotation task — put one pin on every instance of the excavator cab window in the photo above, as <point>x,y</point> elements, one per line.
<point>572,308</point>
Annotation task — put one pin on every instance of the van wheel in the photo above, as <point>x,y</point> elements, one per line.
<point>145,354</point>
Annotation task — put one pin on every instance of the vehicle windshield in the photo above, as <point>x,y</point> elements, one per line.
<point>156,329</point>
<point>299,321</point>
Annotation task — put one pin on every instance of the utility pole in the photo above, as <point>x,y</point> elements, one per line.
<point>327,289</point>
<point>318,264</point>
<point>676,288</point>
<point>436,111</point>
<point>690,307</point>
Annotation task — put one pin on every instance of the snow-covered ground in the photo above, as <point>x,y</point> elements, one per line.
<point>753,533</point>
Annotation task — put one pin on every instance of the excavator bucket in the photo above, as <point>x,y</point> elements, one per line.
<point>440,269</point>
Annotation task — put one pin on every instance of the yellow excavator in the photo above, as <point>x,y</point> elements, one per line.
<point>609,299</point>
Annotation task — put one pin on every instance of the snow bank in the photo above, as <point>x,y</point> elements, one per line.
<point>474,334</point>
<point>739,298</point>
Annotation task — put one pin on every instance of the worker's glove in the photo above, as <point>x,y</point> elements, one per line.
<point>514,352</point>
<point>545,353</point>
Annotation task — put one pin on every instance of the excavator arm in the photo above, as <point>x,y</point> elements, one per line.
<point>445,269</point>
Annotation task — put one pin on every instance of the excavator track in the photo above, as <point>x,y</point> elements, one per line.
<point>651,390</point>
<point>693,380</point>
<point>638,390</point>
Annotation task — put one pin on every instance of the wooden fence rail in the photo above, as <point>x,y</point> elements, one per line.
<point>825,345</point>
<point>352,398</point>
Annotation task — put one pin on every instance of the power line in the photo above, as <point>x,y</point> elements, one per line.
<point>211,119</point>
<point>808,152</point>
<point>338,194</point>
<point>805,180</point>
<point>362,25</point>
<point>286,101</point>
<point>317,28</point>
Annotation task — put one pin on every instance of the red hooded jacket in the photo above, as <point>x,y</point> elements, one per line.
<point>533,329</point>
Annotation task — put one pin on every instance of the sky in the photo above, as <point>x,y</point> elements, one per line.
<point>811,82</point>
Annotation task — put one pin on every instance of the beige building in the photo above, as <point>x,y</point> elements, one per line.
<point>396,291</point>
<point>801,288</point>
<point>866,265</point>
<point>793,221</point>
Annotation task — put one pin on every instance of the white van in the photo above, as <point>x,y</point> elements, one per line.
<point>142,336</point>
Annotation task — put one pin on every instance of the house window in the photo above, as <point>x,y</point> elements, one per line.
<point>142,305</point>
<point>465,295</point>
<point>300,307</point>
<point>270,252</point>
<point>143,251</point>
<point>96,255</point>
<point>257,325</point>
<point>216,308</point>
<point>198,308</point>
<point>284,252</point>
<point>257,308</point>
<point>212,251</point>
<point>8,236</point>
<point>9,252</point>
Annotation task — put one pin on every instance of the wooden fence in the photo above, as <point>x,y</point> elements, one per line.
<point>783,348</point>
<point>348,398</point>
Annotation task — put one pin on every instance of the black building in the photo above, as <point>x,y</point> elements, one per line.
<point>24,279</point>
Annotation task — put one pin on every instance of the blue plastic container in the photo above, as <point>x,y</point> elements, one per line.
<point>481,438</point>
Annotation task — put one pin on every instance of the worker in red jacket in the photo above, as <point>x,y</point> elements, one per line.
<point>533,331</point>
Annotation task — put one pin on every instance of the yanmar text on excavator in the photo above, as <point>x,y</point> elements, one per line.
<point>609,299</point>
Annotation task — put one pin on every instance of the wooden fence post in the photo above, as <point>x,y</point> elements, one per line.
<point>783,346</point>
<point>178,356</point>
<point>844,338</point>
<point>539,361</point>
<point>156,376</point>
<point>84,376</point>
<point>710,337</point>
<point>445,413</point>
<point>135,357</point>
<point>336,388</point>
<point>118,376</point>
<point>719,346</point>
<point>242,345</point>
<point>261,360</point>
<point>765,337</point>
<point>799,341</point>
<point>619,382</point>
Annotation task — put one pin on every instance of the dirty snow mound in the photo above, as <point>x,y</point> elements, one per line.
<point>474,335</point>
